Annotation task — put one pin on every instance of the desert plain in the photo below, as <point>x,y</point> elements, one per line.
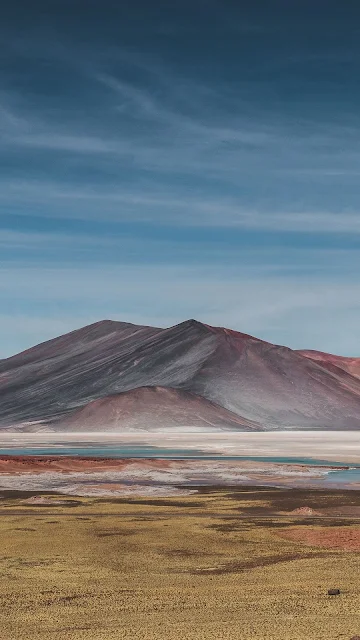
<point>242,563</point>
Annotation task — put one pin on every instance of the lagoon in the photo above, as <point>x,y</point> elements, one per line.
<point>90,449</point>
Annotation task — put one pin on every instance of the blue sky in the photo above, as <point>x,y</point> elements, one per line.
<point>166,160</point>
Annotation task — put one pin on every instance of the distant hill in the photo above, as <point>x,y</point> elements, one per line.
<point>153,408</point>
<point>116,375</point>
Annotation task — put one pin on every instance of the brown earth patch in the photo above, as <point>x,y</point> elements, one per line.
<point>38,464</point>
<point>265,561</point>
<point>346,539</point>
<point>151,502</point>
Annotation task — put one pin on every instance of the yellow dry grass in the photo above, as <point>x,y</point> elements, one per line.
<point>146,572</point>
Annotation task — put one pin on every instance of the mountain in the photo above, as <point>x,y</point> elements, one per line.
<point>153,408</point>
<point>215,375</point>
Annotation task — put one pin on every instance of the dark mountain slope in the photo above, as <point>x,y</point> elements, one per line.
<point>97,361</point>
<point>63,373</point>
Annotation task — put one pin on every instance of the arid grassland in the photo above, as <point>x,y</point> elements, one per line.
<point>215,565</point>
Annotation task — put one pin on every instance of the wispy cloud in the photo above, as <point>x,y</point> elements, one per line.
<point>177,209</point>
<point>192,130</point>
<point>198,171</point>
<point>236,160</point>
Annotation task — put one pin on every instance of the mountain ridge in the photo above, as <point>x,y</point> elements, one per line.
<point>347,363</point>
<point>271,386</point>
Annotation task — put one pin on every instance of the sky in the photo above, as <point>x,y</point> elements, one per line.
<point>168,160</point>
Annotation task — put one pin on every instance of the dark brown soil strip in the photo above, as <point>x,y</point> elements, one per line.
<point>240,567</point>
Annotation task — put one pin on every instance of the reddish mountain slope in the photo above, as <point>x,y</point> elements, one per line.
<point>276,386</point>
<point>152,408</point>
<point>255,380</point>
<point>329,361</point>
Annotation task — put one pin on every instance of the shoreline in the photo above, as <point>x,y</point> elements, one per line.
<point>98,476</point>
<point>83,464</point>
<point>37,459</point>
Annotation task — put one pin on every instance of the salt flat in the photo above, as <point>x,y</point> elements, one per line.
<point>341,446</point>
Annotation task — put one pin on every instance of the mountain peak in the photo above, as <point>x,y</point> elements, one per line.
<point>109,324</point>
<point>191,323</point>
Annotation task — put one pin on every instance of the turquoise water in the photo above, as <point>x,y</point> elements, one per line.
<point>90,449</point>
<point>346,475</point>
<point>148,451</point>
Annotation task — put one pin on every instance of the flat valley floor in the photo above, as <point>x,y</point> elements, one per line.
<point>237,563</point>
